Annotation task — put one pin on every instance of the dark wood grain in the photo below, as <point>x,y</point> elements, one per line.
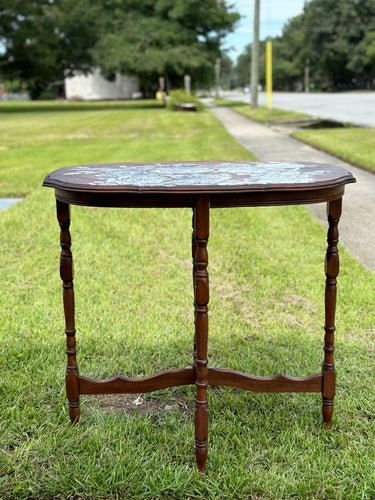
<point>197,178</point>
<point>201,186</point>
<point>331,271</point>
<point>277,383</point>
<point>193,252</point>
<point>217,200</point>
<point>66,273</point>
<point>201,231</point>
<point>125,385</point>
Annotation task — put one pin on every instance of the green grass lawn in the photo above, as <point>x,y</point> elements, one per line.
<point>134,316</point>
<point>39,137</point>
<point>261,113</point>
<point>355,145</point>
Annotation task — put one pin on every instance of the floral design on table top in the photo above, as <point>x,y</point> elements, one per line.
<point>195,174</point>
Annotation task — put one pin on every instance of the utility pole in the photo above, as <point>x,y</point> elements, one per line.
<point>307,75</point>
<point>269,74</point>
<point>255,57</point>
<point>217,78</point>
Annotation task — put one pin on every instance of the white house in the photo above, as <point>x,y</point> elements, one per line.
<point>94,86</point>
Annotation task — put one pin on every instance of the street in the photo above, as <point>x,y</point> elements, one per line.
<point>357,108</point>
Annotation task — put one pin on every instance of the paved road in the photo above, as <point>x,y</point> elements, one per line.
<point>354,107</point>
<point>357,228</point>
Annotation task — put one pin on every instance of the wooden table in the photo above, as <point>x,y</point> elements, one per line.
<point>201,186</point>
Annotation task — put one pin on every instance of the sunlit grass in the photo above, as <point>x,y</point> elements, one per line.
<point>48,136</point>
<point>134,316</point>
<point>261,113</point>
<point>354,145</point>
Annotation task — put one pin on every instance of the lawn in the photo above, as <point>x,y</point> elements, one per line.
<point>262,114</point>
<point>354,145</point>
<point>134,317</point>
<point>39,137</point>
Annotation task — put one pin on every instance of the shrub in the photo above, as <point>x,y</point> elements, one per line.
<point>179,98</point>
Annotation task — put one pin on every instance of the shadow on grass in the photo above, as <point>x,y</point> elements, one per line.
<point>63,106</point>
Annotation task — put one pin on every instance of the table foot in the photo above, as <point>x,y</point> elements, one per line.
<point>327,410</point>
<point>201,448</point>
<point>74,411</point>
<point>331,270</point>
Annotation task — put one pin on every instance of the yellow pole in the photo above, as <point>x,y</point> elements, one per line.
<point>269,74</point>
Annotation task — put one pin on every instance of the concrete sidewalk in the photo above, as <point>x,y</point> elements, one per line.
<point>357,227</point>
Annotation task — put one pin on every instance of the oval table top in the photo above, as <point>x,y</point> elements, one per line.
<point>227,183</point>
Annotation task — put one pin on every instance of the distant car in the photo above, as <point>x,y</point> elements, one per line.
<point>246,89</point>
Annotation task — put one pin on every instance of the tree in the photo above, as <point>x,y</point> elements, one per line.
<point>362,61</point>
<point>289,55</point>
<point>338,40</point>
<point>227,73</point>
<point>241,69</point>
<point>332,30</point>
<point>163,37</point>
<point>44,40</point>
<point>243,65</point>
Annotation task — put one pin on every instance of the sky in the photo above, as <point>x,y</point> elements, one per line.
<point>273,16</point>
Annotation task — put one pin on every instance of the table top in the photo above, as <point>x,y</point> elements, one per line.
<point>164,183</point>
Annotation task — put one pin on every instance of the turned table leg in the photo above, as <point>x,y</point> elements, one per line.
<point>66,273</point>
<point>201,296</point>
<point>332,271</point>
<point>193,252</point>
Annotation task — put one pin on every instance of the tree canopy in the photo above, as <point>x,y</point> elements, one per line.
<point>162,37</point>
<point>43,40</point>
<point>335,39</point>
